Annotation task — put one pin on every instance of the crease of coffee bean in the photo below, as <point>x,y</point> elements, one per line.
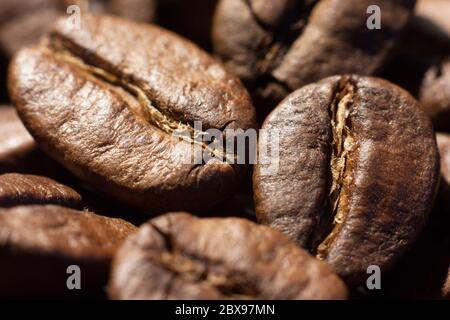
<point>193,268</point>
<point>342,145</point>
<point>151,113</point>
<point>279,39</point>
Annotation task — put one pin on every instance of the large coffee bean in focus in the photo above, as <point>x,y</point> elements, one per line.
<point>178,256</point>
<point>39,243</point>
<point>279,46</point>
<point>106,101</point>
<point>358,168</point>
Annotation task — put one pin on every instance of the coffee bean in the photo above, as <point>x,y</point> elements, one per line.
<point>358,171</point>
<point>178,256</point>
<point>39,243</point>
<point>279,46</point>
<point>109,114</point>
<point>435,94</point>
<point>20,189</point>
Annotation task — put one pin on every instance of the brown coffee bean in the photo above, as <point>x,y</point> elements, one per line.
<point>178,256</point>
<point>435,94</point>
<point>109,114</point>
<point>279,46</point>
<point>358,171</point>
<point>39,243</point>
<point>21,189</point>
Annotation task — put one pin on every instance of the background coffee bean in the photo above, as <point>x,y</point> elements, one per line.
<point>358,171</point>
<point>421,63</point>
<point>108,113</point>
<point>435,94</point>
<point>178,256</point>
<point>38,243</point>
<point>279,46</point>
<point>23,22</point>
<point>20,189</point>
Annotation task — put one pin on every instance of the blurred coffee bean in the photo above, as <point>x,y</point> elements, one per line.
<point>19,189</point>
<point>419,65</point>
<point>179,256</point>
<point>23,22</point>
<point>277,47</point>
<point>39,243</point>
<point>434,94</point>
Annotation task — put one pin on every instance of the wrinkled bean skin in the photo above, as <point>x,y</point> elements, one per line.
<point>279,46</point>
<point>352,186</point>
<point>179,256</point>
<point>83,114</point>
<point>39,243</point>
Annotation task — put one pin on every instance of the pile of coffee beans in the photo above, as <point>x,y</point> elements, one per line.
<point>230,149</point>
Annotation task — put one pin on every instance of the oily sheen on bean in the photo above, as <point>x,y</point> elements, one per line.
<point>105,101</point>
<point>358,171</point>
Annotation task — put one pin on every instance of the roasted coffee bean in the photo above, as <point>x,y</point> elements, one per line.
<point>435,94</point>
<point>358,171</point>
<point>106,101</point>
<point>20,189</point>
<point>39,243</point>
<point>279,46</point>
<point>178,256</point>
